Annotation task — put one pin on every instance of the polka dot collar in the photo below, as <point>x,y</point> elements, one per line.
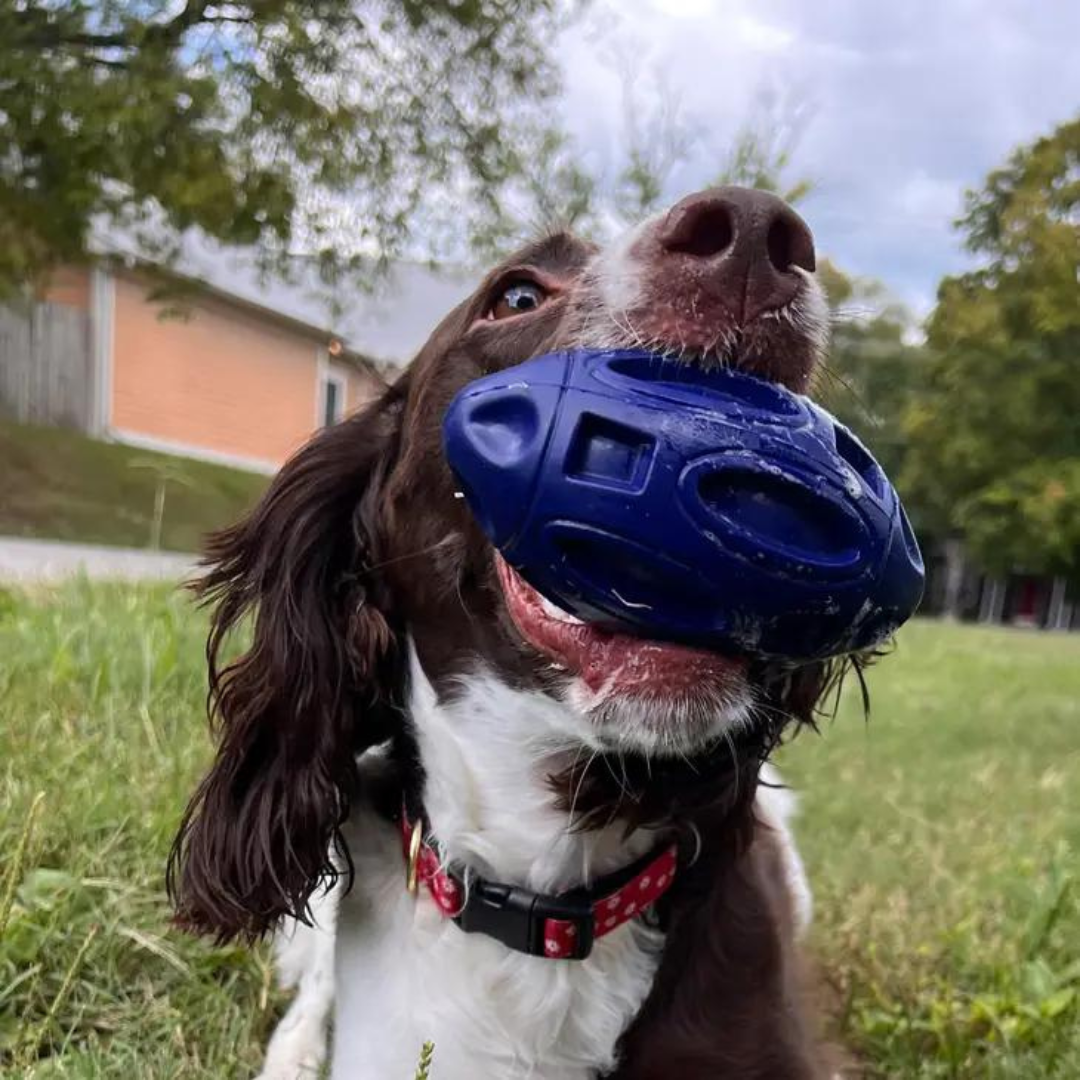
<point>559,926</point>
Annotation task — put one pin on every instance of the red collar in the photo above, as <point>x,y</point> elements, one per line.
<point>560,926</point>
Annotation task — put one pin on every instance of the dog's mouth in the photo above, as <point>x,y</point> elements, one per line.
<point>613,664</point>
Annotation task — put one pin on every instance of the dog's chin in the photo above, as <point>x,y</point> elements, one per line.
<point>663,724</point>
<point>636,695</point>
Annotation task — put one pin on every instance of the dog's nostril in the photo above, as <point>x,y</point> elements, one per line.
<point>789,243</point>
<point>701,230</point>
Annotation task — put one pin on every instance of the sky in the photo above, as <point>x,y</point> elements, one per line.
<point>900,105</point>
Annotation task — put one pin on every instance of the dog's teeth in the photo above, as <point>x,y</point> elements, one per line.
<point>557,612</point>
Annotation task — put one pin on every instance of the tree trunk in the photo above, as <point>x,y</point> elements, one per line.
<point>954,580</point>
<point>992,600</point>
<point>1059,615</point>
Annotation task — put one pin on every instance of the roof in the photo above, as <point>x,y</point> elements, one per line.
<point>387,325</point>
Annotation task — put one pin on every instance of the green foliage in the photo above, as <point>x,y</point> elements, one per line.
<point>1003,387</point>
<point>559,187</point>
<point>350,133</point>
<point>871,372</point>
<point>761,156</point>
<point>553,191</point>
<point>1026,222</point>
<point>658,138</point>
<point>423,1069</point>
<point>308,124</point>
<point>1031,512</point>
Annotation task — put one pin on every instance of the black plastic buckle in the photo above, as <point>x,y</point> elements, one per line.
<point>516,917</point>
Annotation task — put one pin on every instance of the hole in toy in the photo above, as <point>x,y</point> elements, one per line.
<point>910,542</point>
<point>779,517</point>
<point>630,586</point>
<point>605,452</point>
<point>504,429</point>
<point>853,452</point>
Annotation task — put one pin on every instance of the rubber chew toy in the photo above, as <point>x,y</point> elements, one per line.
<point>708,507</point>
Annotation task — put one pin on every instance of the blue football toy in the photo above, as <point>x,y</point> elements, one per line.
<point>707,507</point>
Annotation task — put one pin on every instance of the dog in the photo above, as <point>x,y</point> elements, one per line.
<point>415,738</point>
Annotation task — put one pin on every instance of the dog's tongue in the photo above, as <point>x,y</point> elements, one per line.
<point>608,661</point>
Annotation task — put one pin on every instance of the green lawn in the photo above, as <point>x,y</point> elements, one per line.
<point>941,841</point>
<point>943,844</point>
<point>60,485</point>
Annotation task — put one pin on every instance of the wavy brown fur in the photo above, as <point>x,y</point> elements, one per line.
<point>257,836</point>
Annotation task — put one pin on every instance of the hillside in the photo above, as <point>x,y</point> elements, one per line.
<point>60,485</point>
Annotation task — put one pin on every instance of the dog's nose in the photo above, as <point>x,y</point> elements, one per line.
<point>749,243</point>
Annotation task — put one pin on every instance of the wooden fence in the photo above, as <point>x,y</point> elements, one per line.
<point>46,366</point>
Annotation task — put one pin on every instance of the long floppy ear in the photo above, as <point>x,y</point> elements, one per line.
<point>317,684</point>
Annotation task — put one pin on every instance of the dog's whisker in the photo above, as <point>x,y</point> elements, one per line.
<point>438,545</point>
<point>577,790</point>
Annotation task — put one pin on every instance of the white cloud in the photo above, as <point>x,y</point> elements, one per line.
<point>925,199</point>
<point>762,36</point>
<point>684,8</point>
<point>910,104</point>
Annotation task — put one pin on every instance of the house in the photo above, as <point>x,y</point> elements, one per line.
<point>240,371</point>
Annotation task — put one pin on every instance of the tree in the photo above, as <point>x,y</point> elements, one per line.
<point>762,154</point>
<point>655,138</point>
<point>1033,509</point>
<point>656,135</point>
<point>871,372</point>
<point>564,187</point>
<point>279,125</point>
<point>994,438</point>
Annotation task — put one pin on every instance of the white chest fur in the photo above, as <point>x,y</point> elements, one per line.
<point>405,974</point>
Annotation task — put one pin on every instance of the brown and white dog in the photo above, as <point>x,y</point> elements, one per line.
<point>395,657</point>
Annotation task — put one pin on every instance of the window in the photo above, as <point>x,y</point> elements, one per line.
<point>333,399</point>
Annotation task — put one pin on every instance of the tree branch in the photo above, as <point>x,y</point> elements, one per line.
<point>43,34</point>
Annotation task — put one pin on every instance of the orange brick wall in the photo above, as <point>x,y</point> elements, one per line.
<point>221,379</point>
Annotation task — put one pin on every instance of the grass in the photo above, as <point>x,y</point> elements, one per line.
<point>102,698</point>
<point>941,841</point>
<point>943,845</point>
<point>60,485</point>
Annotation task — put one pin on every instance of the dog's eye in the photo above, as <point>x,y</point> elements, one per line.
<point>517,298</point>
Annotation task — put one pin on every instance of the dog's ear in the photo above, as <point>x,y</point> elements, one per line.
<point>317,684</point>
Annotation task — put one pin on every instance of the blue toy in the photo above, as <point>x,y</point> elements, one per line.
<point>707,507</point>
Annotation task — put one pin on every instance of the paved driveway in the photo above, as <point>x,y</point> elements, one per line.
<point>50,560</point>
